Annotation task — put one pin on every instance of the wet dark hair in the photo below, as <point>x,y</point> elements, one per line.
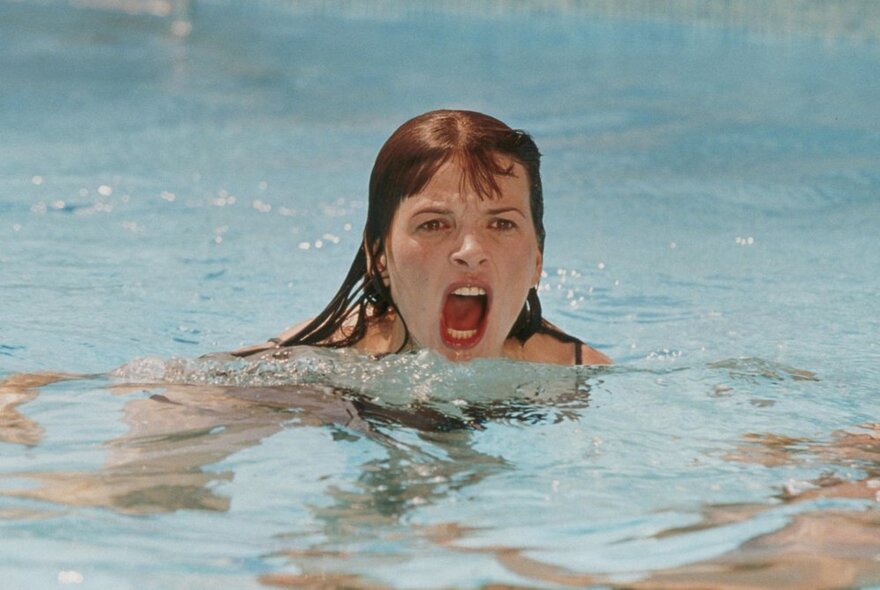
<point>481,145</point>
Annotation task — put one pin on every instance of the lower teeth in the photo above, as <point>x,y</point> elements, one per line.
<point>461,334</point>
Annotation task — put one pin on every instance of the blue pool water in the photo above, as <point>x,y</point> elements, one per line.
<point>712,213</point>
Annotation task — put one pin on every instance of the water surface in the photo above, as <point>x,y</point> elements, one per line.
<point>711,193</point>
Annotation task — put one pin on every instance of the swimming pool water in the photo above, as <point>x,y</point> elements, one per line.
<point>712,214</point>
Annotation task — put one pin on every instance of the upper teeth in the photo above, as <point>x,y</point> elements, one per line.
<point>469,291</point>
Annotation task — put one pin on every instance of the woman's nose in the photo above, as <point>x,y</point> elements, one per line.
<point>469,251</point>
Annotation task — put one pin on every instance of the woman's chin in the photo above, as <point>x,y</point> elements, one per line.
<point>467,353</point>
<point>463,343</point>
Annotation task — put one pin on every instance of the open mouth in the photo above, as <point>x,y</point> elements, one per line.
<point>463,319</point>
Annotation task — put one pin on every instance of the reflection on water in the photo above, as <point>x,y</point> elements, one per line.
<point>185,418</point>
<point>816,548</point>
<point>16,390</point>
<point>184,421</point>
<point>157,465</point>
<point>830,548</point>
<point>754,368</point>
<point>14,427</point>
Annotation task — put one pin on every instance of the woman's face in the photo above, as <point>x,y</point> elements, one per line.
<point>461,265</point>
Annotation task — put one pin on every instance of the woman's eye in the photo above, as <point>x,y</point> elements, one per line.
<point>432,225</point>
<point>503,224</point>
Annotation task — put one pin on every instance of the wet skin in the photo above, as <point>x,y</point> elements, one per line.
<point>448,237</point>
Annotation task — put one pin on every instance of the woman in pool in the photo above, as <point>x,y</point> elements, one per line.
<point>452,251</point>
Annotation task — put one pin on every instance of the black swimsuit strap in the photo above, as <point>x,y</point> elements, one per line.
<point>563,337</point>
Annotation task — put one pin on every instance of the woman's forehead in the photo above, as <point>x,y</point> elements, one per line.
<point>441,198</point>
<point>453,180</point>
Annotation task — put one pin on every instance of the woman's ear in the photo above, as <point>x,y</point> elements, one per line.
<point>380,264</point>
<point>539,267</point>
<point>382,267</point>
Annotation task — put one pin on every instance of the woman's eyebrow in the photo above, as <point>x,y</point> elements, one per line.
<point>429,210</point>
<point>500,210</point>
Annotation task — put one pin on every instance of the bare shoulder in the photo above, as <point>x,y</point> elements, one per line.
<point>380,332</point>
<point>548,348</point>
<point>272,342</point>
<point>591,356</point>
<point>293,330</point>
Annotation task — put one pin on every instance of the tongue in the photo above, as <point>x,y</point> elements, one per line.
<point>463,313</point>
